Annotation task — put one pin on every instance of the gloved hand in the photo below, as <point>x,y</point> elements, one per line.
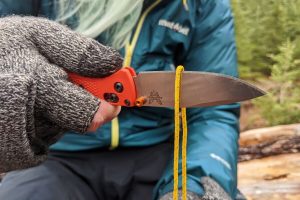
<point>37,103</point>
<point>212,191</point>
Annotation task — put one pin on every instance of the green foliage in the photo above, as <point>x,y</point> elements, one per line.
<point>262,26</point>
<point>268,44</point>
<point>281,104</point>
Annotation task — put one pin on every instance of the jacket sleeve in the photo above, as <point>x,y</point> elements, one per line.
<point>212,131</point>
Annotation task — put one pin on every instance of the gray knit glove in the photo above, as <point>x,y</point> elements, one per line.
<point>212,191</point>
<point>37,103</point>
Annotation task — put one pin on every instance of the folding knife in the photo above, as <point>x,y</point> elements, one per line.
<point>156,88</point>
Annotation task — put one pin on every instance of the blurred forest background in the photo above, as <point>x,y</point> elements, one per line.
<point>268,42</point>
<point>267,33</point>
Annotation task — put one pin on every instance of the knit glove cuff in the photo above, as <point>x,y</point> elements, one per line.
<point>18,148</point>
<point>212,191</point>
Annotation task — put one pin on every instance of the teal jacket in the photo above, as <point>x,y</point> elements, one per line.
<point>198,34</point>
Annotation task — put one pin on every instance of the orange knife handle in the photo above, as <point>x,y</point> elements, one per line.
<point>117,89</point>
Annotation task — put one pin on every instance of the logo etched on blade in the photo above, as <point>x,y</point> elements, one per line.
<point>154,96</point>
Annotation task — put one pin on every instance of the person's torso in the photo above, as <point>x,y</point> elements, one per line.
<point>158,46</point>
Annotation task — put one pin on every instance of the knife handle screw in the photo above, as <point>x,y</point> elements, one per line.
<point>119,87</point>
<point>114,98</point>
<point>111,97</point>
<point>127,102</point>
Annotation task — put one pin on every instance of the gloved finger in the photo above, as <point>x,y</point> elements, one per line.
<point>65,104</point>
<point>68,49</point>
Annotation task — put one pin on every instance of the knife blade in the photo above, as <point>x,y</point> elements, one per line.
<point>156,88</point>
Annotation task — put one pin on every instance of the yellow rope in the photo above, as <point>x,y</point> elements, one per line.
<point>114,133</point>
<point>184,146</point>
<point>179,71</point>
<point>177,130</point>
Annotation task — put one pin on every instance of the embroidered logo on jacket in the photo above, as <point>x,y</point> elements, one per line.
<point>174,26</point>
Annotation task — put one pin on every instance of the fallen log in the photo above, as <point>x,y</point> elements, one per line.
<point>256,136</point>
<point>259,143</point>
